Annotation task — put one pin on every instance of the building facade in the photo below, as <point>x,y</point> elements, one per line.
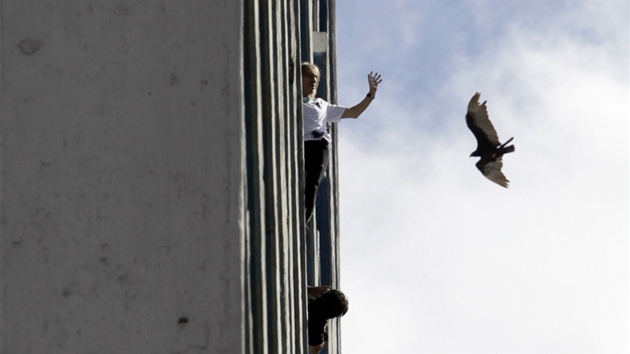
<point>151,176</point>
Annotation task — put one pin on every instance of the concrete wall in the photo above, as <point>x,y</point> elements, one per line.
<point>122,176</point>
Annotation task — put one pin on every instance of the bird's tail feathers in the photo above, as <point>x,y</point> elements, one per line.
<point>505,149</point>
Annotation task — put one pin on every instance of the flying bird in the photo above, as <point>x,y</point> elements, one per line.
<point>489,149</point>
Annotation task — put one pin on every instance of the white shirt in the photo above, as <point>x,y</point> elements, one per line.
<point>316,114</point>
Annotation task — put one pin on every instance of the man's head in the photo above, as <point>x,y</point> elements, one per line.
<point>310,79</point>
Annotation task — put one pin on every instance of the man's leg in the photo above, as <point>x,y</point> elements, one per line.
<point>316,158</point>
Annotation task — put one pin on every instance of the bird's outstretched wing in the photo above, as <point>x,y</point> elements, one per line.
<point>492,170</point>
<point>479,123</point>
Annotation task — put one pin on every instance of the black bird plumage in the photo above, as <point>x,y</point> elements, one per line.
<point>489,149</point>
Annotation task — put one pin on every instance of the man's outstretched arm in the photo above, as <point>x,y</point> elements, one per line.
<point>374,79</point>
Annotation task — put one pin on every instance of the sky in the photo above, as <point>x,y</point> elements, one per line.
<point>434,257</point>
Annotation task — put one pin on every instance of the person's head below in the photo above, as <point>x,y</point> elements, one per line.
<point>330,304</point>
<point>310,79</point>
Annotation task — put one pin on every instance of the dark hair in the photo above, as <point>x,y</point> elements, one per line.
<point>331,304</point>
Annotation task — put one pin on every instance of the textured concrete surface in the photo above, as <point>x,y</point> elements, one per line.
<point>122,198</point>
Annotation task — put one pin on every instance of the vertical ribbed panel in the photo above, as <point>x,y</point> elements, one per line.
<point>282,259</point>
<point>276,249</point>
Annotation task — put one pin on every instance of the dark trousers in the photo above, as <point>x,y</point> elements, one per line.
<point>316,156</point>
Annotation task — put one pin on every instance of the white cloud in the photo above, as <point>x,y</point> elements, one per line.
<point>438,259</point>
